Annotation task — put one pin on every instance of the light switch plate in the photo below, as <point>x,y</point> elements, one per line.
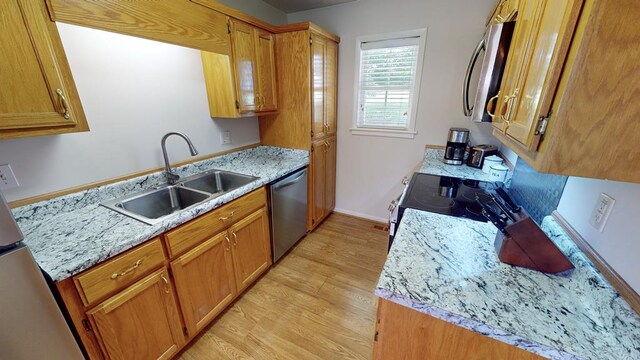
<point>225,138</point>
<point>7,178</point>
<point>601,211</point>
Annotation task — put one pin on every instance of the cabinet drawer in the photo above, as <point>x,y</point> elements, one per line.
<point>196,231</point>
<point>115,274</point>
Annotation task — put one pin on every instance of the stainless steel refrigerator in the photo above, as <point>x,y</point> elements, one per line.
<point>31,324</point>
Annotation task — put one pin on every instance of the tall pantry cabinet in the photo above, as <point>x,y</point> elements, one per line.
<point>307,68</point>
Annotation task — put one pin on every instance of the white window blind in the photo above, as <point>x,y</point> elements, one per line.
<point>387,79</point>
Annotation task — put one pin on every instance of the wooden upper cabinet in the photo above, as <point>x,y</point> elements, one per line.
<point>318,86</point>
<point>141,322</point>
<point>574,113</point>
<point>39,96</point>
<point>251,251</point>
<point>244,64</point>
<point>266,74</point>
<point>204,281</point>
<point>332,87</point>
<point>505,10</point>
<point>548,30</point>
<point>242,83</point>
<point>519,52</point>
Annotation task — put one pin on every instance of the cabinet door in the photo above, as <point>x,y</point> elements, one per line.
<point>330,175</point>
<point>141,322</point>
<point>332,87</point>
<point>519,52</point>
<point>318,86</point>
<point>244,63</point>
<point>551,39</point>
<point>251,248</point>
<point>39,96</point>
<point>204,281</point>
<point>266,71</point>
<point>317,180</point>
<point>505,11</point>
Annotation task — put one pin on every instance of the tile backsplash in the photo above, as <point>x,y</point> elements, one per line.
<point>538,193</point>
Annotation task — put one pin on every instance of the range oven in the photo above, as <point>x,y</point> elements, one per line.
<point>440,194</point>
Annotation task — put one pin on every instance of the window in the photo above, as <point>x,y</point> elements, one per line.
<point>388,69</point>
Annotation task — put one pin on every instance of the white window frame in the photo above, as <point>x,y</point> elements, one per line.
<point>409,132</point>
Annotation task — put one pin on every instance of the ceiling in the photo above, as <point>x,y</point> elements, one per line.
<point>290,6</point>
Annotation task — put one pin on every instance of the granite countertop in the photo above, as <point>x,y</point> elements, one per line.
<point>447,267</point>
<point>70,234</point>
<point>433,164</point>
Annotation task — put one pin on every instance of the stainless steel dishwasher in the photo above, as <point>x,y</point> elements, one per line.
<point>288,211</point>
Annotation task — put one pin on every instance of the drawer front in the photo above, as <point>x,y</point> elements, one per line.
<point>117,273</point>
<point>204,227</point>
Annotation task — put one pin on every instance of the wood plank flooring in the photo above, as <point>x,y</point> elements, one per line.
<point>316,303</point>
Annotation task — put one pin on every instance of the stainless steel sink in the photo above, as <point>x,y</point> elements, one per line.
<point>152,206</point>
<point>217,182</point>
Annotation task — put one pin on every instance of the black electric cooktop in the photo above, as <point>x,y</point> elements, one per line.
<point>447,195</point>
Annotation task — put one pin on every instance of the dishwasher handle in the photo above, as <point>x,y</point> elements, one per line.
<point>289,182</point>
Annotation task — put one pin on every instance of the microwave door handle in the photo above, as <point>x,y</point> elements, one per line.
<point>466,107</point>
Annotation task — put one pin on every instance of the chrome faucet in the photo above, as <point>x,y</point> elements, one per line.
<point>172,177</point>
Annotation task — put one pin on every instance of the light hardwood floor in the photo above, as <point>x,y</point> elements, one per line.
<point>316,303</point>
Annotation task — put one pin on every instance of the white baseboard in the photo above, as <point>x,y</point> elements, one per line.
<point>361,215</point>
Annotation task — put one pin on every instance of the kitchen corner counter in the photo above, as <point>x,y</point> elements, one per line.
<point>71,233</point>
<point>433,164</point>
<point>447,267</point>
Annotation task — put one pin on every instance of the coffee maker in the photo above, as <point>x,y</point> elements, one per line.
<point>456,146</point>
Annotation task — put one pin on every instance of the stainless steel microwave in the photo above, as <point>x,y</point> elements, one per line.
<point>495,46</point>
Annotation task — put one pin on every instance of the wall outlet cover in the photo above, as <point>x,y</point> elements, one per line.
<point>601,211</point>
<point>225,138</point>
<point>7,178</point>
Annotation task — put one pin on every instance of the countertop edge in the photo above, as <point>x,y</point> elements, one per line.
<point>475,326</point>
<point>147,232</point>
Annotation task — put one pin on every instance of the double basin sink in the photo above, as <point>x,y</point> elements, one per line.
<point>154,205</point>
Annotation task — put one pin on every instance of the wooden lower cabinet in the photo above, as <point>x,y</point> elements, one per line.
<point>212,274</point>
<point>141,322</point>
<point>204,281</point>
<point>133,307</point>
<point>404,333</point>
<point>322,181</point>
<point>251,248</point>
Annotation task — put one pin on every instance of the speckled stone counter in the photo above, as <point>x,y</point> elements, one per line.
<point>70,234</point>
<point>432,164</point>
<point>447,267</point>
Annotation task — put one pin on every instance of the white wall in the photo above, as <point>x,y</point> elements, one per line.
<point>370,168</point>
<point>259,9</point>
<point>133,91</point>
<point>619,243</point>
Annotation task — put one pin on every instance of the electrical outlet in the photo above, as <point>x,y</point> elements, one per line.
<point>601,211</point>
<point>7,178</point>
<point>225,138</point>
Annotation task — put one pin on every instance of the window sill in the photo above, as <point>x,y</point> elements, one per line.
<point>404,134</point>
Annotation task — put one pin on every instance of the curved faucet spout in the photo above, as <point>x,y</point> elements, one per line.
<point>172,177</point>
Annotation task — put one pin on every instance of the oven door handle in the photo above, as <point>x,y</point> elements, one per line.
<point>466,107</point>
